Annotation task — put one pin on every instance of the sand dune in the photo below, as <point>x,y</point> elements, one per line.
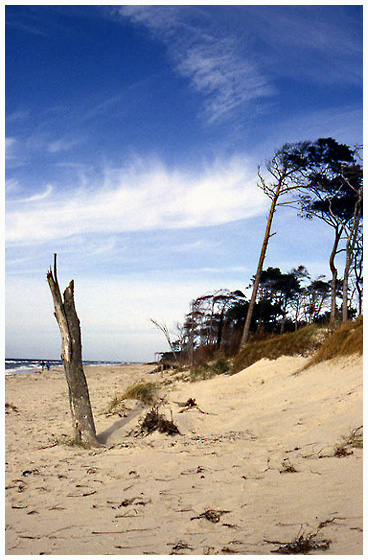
<point>252,466</point>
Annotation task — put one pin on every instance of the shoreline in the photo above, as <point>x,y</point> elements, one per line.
<point>229,457</point>
<point>38,368</point>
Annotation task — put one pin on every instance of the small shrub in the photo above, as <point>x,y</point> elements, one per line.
<point>221,366</point>
<point>200,372</point>
<point>206,371</point>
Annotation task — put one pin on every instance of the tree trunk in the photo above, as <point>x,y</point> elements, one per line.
<point>84,431</point>
<point>220,329</point>
<point>350,246</point>
<point>345,285</point>
<point>338,232</point>
<point>262,257</point>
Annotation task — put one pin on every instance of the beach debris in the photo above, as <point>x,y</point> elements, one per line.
<point>342,451</point>
<point>155,421</point>
<point>329,521</point>
<point>211,515</point>
<point>137,501</point>
<point>194,470</point>
<point>180,545</point>
<point>302,544</point>
<point>287,467</point>
<point>189,405</point>
<point>28,471</point>
<point>83,495</point>
<point>353,440</point>
<point>10,408</point>
<point>228,550</point>
<point>18,483</point>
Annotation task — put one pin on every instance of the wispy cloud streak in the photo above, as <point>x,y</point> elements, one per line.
<point>146,196</point>
<point>211,61</point>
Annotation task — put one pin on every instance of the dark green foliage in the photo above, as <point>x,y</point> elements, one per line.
<point>206,371</point>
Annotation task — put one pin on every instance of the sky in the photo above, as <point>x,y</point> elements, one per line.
<point>133,139</point>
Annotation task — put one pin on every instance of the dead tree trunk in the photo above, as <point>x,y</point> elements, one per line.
<point>262,257</point>
<point>84,431</point>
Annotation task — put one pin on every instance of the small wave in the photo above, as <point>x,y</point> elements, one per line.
<point>23,369</point>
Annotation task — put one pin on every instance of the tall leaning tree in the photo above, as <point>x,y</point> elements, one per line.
<point>331,190</point>
<point>287,162</point>
<point>353,177</point>
<point>84,432</point>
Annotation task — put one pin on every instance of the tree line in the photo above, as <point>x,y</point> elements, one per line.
<point>320,180</point>
<point>323,180</point>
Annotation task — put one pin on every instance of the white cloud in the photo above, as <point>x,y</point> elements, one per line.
<point>145,196</point>
<point>217,71</point>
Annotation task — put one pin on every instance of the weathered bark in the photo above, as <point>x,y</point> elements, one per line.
<point>338,232</point>
<point>358,271</point>
<point>84,431</point>
<point>352,236</point>
<point>262,257</point>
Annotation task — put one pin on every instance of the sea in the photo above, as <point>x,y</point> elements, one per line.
<point>21,365</point>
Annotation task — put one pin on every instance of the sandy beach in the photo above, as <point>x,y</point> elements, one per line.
<point>252,467</point>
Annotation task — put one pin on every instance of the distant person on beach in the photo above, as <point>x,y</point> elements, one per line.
<point>48,366</point>
<point>42,366</point>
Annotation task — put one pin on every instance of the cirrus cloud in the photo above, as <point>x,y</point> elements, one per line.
<point>208,56</point>
<point>145,196</point>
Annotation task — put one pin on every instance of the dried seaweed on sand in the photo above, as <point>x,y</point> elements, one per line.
<point>155,421</point>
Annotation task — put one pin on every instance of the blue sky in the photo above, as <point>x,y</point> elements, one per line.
<point>133,136</point>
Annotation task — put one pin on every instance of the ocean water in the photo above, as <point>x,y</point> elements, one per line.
<point>20,365</point>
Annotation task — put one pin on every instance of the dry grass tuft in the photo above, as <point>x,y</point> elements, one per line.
<point>346,341</point>
<point>353,440</point>
<point>69,441</point>
<point>147,393</point>
<point>303,544</point>
<point>302,342</point>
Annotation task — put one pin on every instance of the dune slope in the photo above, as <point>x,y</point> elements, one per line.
<point>254,464</point>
